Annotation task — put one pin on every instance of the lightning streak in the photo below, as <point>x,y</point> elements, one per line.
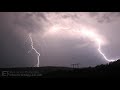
<point>32,45</point>
<point>99,49</point>
<point>93,36</point>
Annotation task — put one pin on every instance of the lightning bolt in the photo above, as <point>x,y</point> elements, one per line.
<point>93,36</point>
<point>99,49</point>
<point>32,48</point>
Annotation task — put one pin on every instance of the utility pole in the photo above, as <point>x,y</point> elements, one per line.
<point>75,65</point>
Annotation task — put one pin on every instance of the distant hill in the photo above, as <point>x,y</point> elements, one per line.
<point>111,69</point>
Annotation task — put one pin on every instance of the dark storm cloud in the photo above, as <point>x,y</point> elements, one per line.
<point>28,21</point>
<point>105,17</point>
<point>24,20</point>
<point>60,48</point>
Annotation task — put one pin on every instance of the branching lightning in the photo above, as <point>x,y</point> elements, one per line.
<point>38,54</point>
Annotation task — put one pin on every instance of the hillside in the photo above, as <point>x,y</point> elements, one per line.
<point>100,71</point>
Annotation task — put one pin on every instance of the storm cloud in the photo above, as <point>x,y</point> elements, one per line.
<point>54,37</point>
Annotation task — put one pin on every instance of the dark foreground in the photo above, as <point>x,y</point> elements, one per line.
<point>111,70</point>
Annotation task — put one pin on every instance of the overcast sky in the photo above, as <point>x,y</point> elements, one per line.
<point>57,38</point>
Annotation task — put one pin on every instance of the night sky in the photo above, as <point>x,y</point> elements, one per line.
<point>57,37</point>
